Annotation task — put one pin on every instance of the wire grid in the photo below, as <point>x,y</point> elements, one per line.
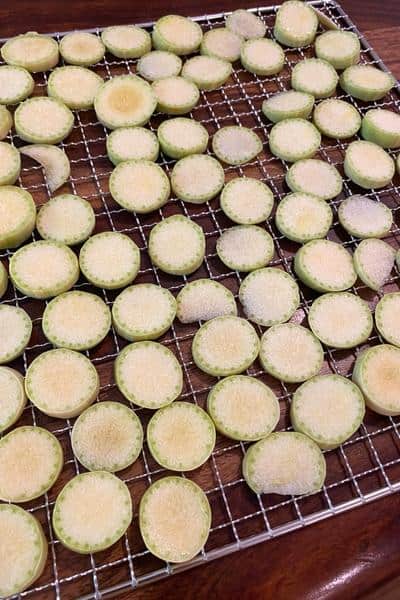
<point>364,468</point>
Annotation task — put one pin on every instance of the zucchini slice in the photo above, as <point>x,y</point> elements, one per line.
<point>366,82</point>
<point>44,269</point>
<point>143,312</point>
<point>177,34</point>
<point>245,24</point>
<point>139,186</point>
<point>245,248</point>
<point>303,217</point>
<point>243,408</point>
<point>294,139</point>
<point>325,266</point>
<point>3,280</point>
<point>381,127</point>
<point>61,383</point>
<point>159,64</point>
<point>54,161</point>
<point>12,397</point>
<point>324,20</point>
<point>23,550</point>
<point>225,346</point>
<point>6,121</point>
<point>285,462</point>
<point>398,163</point>
<point>236,145</point>
<point>76,320</point>
<point>368,165</point>
<point>174,519</point>
<point>204,299</point>
<point>222,43</point>
<point>175,95</point>
<point>148,374</point>
<point>31,51</point>
<point>180,137</point>
<point>377,373</point>
<point>124,101</point>
<point>288,105</point>
<point>107,436</point>
<point>207,72</point>
<point>247,201</point>
<point>373,262</point>
<point>16,329</point>
<point>132,143</point>
<point>177,245</point>
<point>269,296</point>
<point>43,120</point>
<point>66,219</point>
<point>314,176</point>
<point>76,87</point>
<point>363,217</point>
<point>336,118</point>
<point>17,216</point>
<point>387,318</point>
<point>92,512</point>
<point>340,320</point>
<point>314,76</point>
<point>296,24</point>
<point>181,436</point>
<point>197,178</point>
<point>10,164</point>
<point>126,41</point>
<point>82,48</point>
<point>31,459</point>
<point>262,57</point>
<point>16,84</point>
<point>340,48</point>
<point>328,409</point>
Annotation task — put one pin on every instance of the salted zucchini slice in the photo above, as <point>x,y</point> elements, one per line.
<point>66,219</point>
<point>245,24</point>
<point>236,145</point>
<point>204,299</point>
<point>124,101</point>
<point>363,217</point>
<point>180,137</point>
<point>197,178</point>
<point>398,163</point>
<point>225,346</point>
<point>16,328</point>
<point>288,105</point>
<point>222,43</point>
<point>44,269</point>
<point>177,34</point>
<point>139,186</point>
<point>132,143</point>
<point>126,41</point>
<point>61,383</point>
<point>340,48</point>
<point>366,82</point>
<point>17,216</point>
<point>381,127</point>
<point>314,176</point>
<point>174,519</point>
<point>368,165</point>
<point>6,121</point>
<point>296,24</point>
<point>269,296</point>
<point>373,262</point>
<point>43,120</point>
<point>143,312</point>
<point>75,86</point>
<point>10,164</point>
<point>31,51</point>
<point>314,76</point>
<point>3,280</point>
<point>285,462</point>
<point>23,550</point>
<point>175,95</point>
<point>76,320</point>
<point>16,84</point>
<point>177,245</point>
<point>107,436</point>
<point>159,64</point>
<point>294,139</point>
<point>54,161</point>
<point>148,374</point>
<point>247,201</point>
<point>328,409</point>
<point>245,247</point>
<point>92,512</point>
<point>303,217</point>
<point>82,48</point>
<point>181,436</point>
<point>336,118</point>
<point>207,72</point>
<point>387,313</point>
<point>31,459</point>
<point>262,57</point>
<point>12,397</point>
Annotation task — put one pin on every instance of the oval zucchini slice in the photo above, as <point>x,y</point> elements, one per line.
<point>76,87</point>
<point>10,164</point>
<point>381,127</point>
<point>197,178</point>
<point>177,34</point>
<point>288,105</point>
<point>294,139</point>
<point>296,24</point>
<point>314,176</point>
<point>236,145</point>
<point>139,186</point>
<point>175,95</point>
<point>204,299</point>
<point>159,64</point>
<point>366,82</point>
<point>245,248</point>
<point>16,84</point>
<point>314,76</point>
<point>336,118</point>
<point>132,143</point>
<point>245,24</point>
<point>222,43</point>
<point>363,217</point>
<point>262,57</point>
<point>247,201</point>
<point>373,262</point>
<point>387,318</point>
<point>181,137</point>
<point>340,48</point>
<point>3,280</point>
<point>54,161</point>
<point>303,217</point>
<point>207,72</point>
<point>82,48</point>
<point>66,219</point>
<point>368,165</point>
<point>126,41</point>
<point>6,121</point>
<point>43,120</point>
<point>12,397</point>
<point>16,328</point>
<point>31,51</point>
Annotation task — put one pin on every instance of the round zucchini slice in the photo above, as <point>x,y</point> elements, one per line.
<point>61,383</point>
<point>148,374</point>
<point>285,462</point>
<point>294,139</point>
<point>126,41</point>
<point>336,118</point>
<point>180,137</point>
<point>236,145</point>
<point>177,34</point>
<point>366,82</point>
<point>10,164</point>
<point>174,519</point>
<point>262,57</point>
<point>181,436</point>
<point>363,217</point>
<point>207,72</point>
<point>197,178</point>
<point>247,201</point>
<point>314,176</point>
<point>204,299</point>
<point>92,512</point>
<point>16,84</point>
<point>12,397</point>
<point>288,105</point>
<point>3,280</point>
<point>43,120</point>
<point>243,408</point>
<point>54,161</point>
<point>31,459</point>
<point>107,436</point>
<point>340,48</point>
<point>175,95</point>
<point>269,296</point>
<point>143,312</point>
<point>159,64</point>
<point>245,24</point>
<point>225,346</point>
<point>16,328</point>
<point>132,143</point>
<point>328,409</point>
<point>31,51</point>
<point>222,43</point>
<point>6,121</point>
<point>245,248</point>
<point>303,217</point>
<point>373,262</point>
<point>82,48</point>
<point>139,186</point>
<point>387,318</point>
<point>368,165</point>
<point>314,76</point>
<point>296,24</point>
<point>381,127</point>
<point>76,87</point>
<point>177,245</point>
<point>66,219</point>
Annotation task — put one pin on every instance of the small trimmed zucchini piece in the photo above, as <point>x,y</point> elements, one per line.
<point>66,219</point>
<point>336,118</point>
<point>363,217</point>
<point>31,459</point>
<point>314,176</point>
<point>381,127</point>
<point>16,84</point>
<point>222,43</point>
<point>303,217</point>
<point>204,299</point>
<point>17,216</point>
<point>181,436</point>
<point>177,34</point>
<point>285,462</point>
<point>207,72</point>
<point>245,247</point>
<point>225,346</point>
<point>324,20</point>
<point>236,145</point>
<point>340,48</point>
<point>43,120</point>
<point>126,41</point>
<point>76,320</point>
<point>148,374</point>
<point>368,165</point>
<point>132,143</point>
<point>245,24</point>
<point>82,48</point>
<point>6,122</point>
<point>140,186</point>
<point>294,139</point>
<point>10,164</point>
<point>247,201</point>
<point>288,105</point>
<point>296,24</point>
<point>197,178</point>
<point>12,397</point>
<point>3,280</point>
<point>314,76</point>
<point>107,436</point>
<point>177,245</point>
<point>262,57</point>
<point>143,312</point>
<point>366,82</point>
<point>387,318</point>
<point>159,64</point>
<point>31,51</point>
<point>76,87</point>
<point>92,512</point>
<point>174,519</point>
<point>124,101</point>
<point>175,95</point>
<point>180,137</point>
<point>54,161</point>
<point>328,409</point>
<point>16,328</point>
<point>373,262</point>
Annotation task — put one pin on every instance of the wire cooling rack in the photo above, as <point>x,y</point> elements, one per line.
<point>363,469</point>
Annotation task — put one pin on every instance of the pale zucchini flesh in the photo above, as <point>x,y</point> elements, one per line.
<point>159,64</point>
<point>16,84</point>
<point>236,145</point>
<point>204,299</point>
<point>10,164</point>
<point>126,41</point>
<point>17,216</point>
<point>387,313</point>
<point>197,178</point>
<point>75,86</point>
<point>245,24</point>
<point>245,248</point>
<point>340,48</point>
<point>295,24</point>
<point>177,34</point>
<point>139,186</point>
<point>373,261</point>
<point>82,48</point>
<point>314,76</point>
<point>67,219</point>
<point>314,176</point>
<point>288,105</point>
<point>31,51</point>
<point>16,329</point>
<point>207,72</point>
<point>43,120</point>
<point>132,143</point>
<point>262,57</point>
<point>368,165</point>
<point>381,127</point>
<point>12,397</point>
<point>363,217</point>
<point>175,95</point>
<point>303,217</point>
<point>247,201</point>
<point>3,280</point>
<point>336,118</point>
<point>181,137</point>
<point>366,82</point>
<point>294,139</point>
<point>6,121</point>
<point>54,161</point>
<point>222,43</point>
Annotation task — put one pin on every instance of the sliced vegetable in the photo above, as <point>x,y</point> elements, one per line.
<point>245,247</point>
<point>180,137</point>
<point>66,219</point>
<point>222,43</point>
<point>294,139</point>
<point>6,121</point>
<point>368,165</point>
<point>159,64</point>
<point>54,161</point>
<point>43,120</point>
<point>373,262</point>
<point>247,201</point>
<point>387,318</point>
<point>314,76</point>
<point>336,118</point>
<point>381,127</point>
<point>3,280</point>
<point>295,24</point>
<point>204,299</point>
<point>126,41</point>
<point>175,95</point>
<point>197,178</point>
<point>12,397</point>
<point>10,164</point>
<point>177,34</point>
<point>288,105</point>
<point>303,217</point>
<point>17,216</point>
<point>314,176</point>
<point>140,186</point>
<point>82,48</point>
<point>366,82</point>
<point>245,24</point>
<point>207,72</point>
<point>16,329</point>
<point>31,51</point>
<point>132,143</point>
<point>236,145</point>
<point>363,217</point>
<point>262,57</point>
<point>340,48</point>
<point>77,87</point>
<point>16,84</point>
